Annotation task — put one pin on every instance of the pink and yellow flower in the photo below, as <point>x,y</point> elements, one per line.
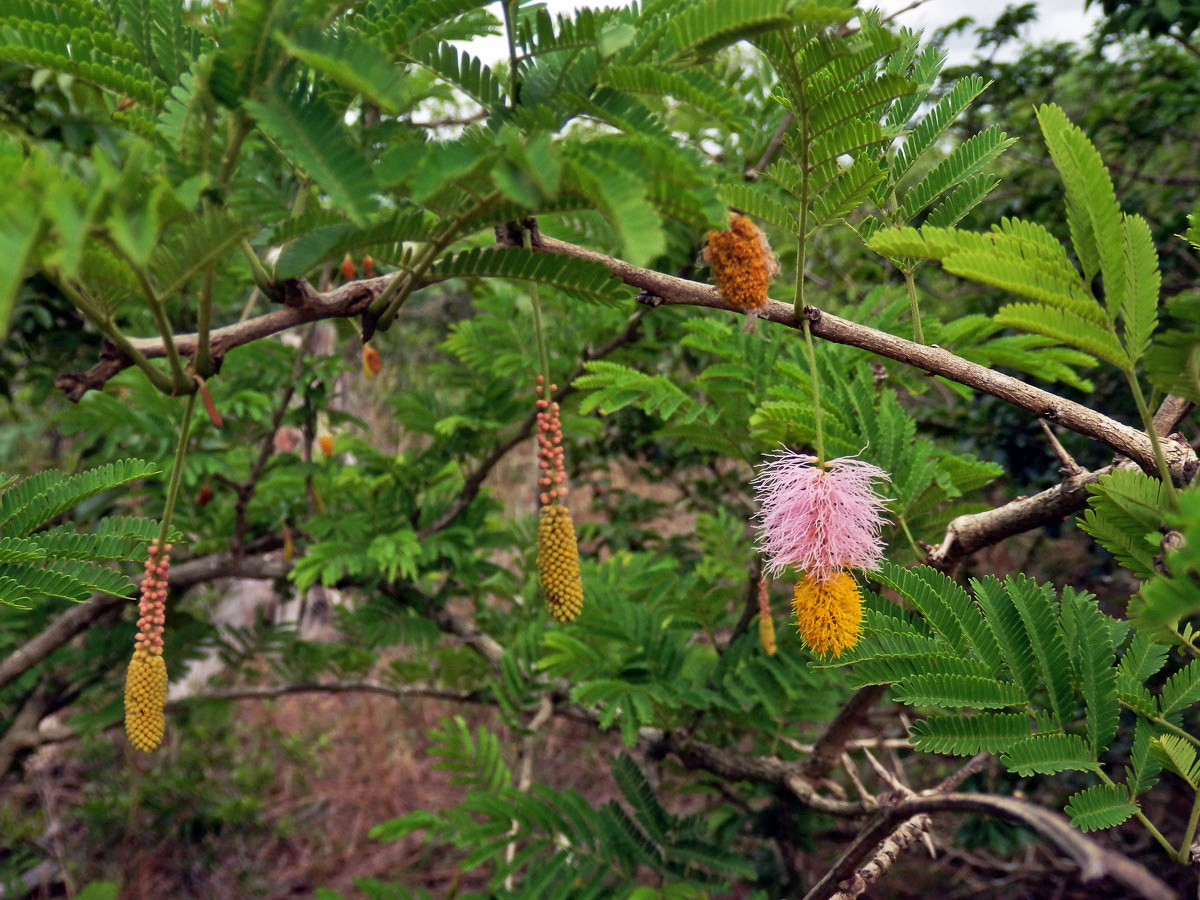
<point>820,520</point>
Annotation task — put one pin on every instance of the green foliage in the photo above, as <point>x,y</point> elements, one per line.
<point>1024,259</point>
<point>560,840</point>
<point>62,562</point>
<point>1100,806</point>
<point>1124,515</point>
<point>305,132</point>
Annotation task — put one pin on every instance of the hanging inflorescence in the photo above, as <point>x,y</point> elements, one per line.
<point>557,550</point>
<point>146,677</point>
<point>822,520</point>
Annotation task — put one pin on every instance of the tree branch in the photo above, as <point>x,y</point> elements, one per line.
<point>967,534</point>
<point>829,747</point>
<point>103,607</point>
<point>305,304</point>
<point>1093,860</point>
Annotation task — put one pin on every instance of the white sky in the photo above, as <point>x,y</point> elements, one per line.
<point>1057,20</point>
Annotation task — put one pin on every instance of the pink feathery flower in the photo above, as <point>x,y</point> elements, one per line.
<point>820,520</point>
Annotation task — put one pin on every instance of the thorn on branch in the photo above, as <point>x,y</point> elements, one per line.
<point>1069,467</point>
<point>648,299</point>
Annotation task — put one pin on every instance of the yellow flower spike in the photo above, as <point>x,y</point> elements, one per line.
<point>558,563</point>
<point>828,613</point>
<point>145,695</point>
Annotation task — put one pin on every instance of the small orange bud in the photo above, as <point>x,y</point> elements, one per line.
<point>326,442</point>
<point>368,267</point>
<point>347,267</point>
<point>371,363</point>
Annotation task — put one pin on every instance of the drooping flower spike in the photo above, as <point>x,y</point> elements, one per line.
<point>557,549</point>
<point>820,520</point>
<point>828,613</point>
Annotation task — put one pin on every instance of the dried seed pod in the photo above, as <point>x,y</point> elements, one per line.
<point>204,495</point>
<point>558,563</point>
<point>145,696</point>
<point>742,264</point>
<point>828,612</point>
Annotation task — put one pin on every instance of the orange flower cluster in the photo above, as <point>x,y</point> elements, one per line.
<point>828,613</point>
<point>742,264</point>
<point>372,364</point>
<point>557,549</point>
<point>146,677</point>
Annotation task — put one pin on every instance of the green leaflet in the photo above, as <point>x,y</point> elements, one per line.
<point>965,160</point>
<point>1066,327</point>
<point>1142,280</point>
<point>1092,656</point>
<point>937,689</point>
<point>580,277</point>
<point>1178,756</point>
<point>1124,515</point>
<point>967,735</point>
<point>308,132</point>
<point>1093,216</point>
<point>61,562</point>
<point>1048,754</point>
<point>353,61</point>
<point>1100,806</point>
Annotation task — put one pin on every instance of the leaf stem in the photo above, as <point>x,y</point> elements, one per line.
<point>258,272</point>
<point>239,127</point>
<point>177,471</point>
<point>202,361</point>
<point>510,27</point>
<point>1164,472</point>
<point>401,286</point>
<point>918,335</point>
<point>181,381</point>
<point>1190,833</point>
<point>1146,823</point>
<point>819,438</point>
<point>1162,723</point>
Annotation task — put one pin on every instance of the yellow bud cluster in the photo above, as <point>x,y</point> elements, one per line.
<point>145,694</point>
<point>742,264</point>
<point>558,563</point>
<point>828,613</point>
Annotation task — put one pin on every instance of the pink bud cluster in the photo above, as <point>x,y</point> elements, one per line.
<point>152,607</point>
<point>550,452</point>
